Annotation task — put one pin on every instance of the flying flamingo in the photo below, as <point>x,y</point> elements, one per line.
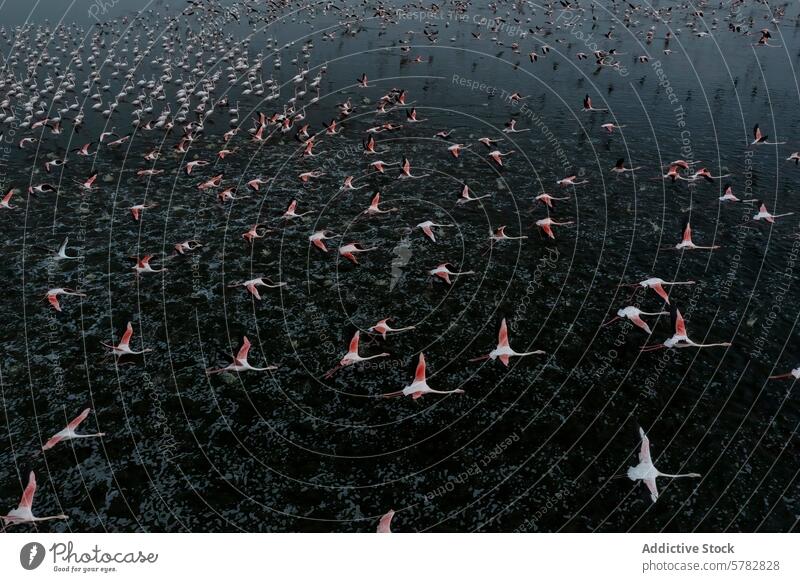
<point>646,471</point>
<point>547,199</point>
<point>497,156</point>
<point>318,239</point>
<point>6,201</point>
<point>374,206</point>
<point>635,315</point>
<point>24,511</point>
<point>123,348</point>
<point>240,363</point>
<point>419,387</point>
<point>546,223</point>
<point>763,214</point>
<point>466,196</point>
<point>443,272</point>
<point>686,242</point>
<point>69,432</point>
<point>252,286</point>
<point>455,149</point>
<point>657,285</point>
<point>52,296</point>
<point>620,168</point>
<point>610,127</point>
<point>143,266</point>
<point>352,356</point>
<point>291,211</point>
<point>760,139</point>
<point>405,170</point>
<point>679,338</point>
<point>570,181</point>
<point>500,234</point>
<point>187,246</point>
<point>382,328</point>
<point>587,105</point>
<point>61,254</point>
<point>427,228</point>
<point>349,251</point>
<point>503,351</point>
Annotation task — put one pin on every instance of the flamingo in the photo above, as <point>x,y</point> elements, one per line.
<point>645,471</point>
<point>443,272</point>
<point>503,351</point>
<point>546,225</point>
<point>382,328</point>
<point>635,315</point>
<point>657,285</point>
<point>352,356</point>
<point>349,251</point>
<point>69,432</point>
<point>240,363</point>
<point>252,286</point>
<point>52,296</point>
<point>123,348</point>
<point>427,228</point>
<point>764,214</point>
<point>419,387</point>
<point>686,242</point>
<point>680,339</point>
<point>547,199</point>
<point>760,139</point>
<point>374,206</point>
<point>319,237</point>
<point>466,196</point>
<point>24,511</point>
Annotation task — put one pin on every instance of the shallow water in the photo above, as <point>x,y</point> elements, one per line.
<point>532,447</point>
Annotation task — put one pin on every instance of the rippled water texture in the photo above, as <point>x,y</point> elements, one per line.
<point>537,446</point>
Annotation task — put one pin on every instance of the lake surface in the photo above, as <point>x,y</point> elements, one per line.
<point>532,447</point>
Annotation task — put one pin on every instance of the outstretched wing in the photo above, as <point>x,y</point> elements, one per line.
<point>644,452</point>
<point>30,491</point>
<point>502,338</point>
<point>75,423</point>
<point>419,375</point>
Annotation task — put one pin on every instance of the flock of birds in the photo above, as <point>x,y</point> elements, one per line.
<point>53,84</point>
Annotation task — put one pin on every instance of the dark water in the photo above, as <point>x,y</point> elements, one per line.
<point>532,447</point>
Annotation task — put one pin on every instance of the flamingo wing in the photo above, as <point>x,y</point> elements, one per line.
<point>660,291</point>
<point>75,422</point>
<point>651,485</point>
<point>253,290</point>
<point>680,324</point>
<point>30,491</point>
<point>384,526</point>
<point>638,321</point>
<point>53,300</point>
<point>502,339</point>
<point>644,452</point>
<point>244,350</point>
<point>353,348</point>
<point>126,337</point>
<point>52,441</point>
<point>419,374</point>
